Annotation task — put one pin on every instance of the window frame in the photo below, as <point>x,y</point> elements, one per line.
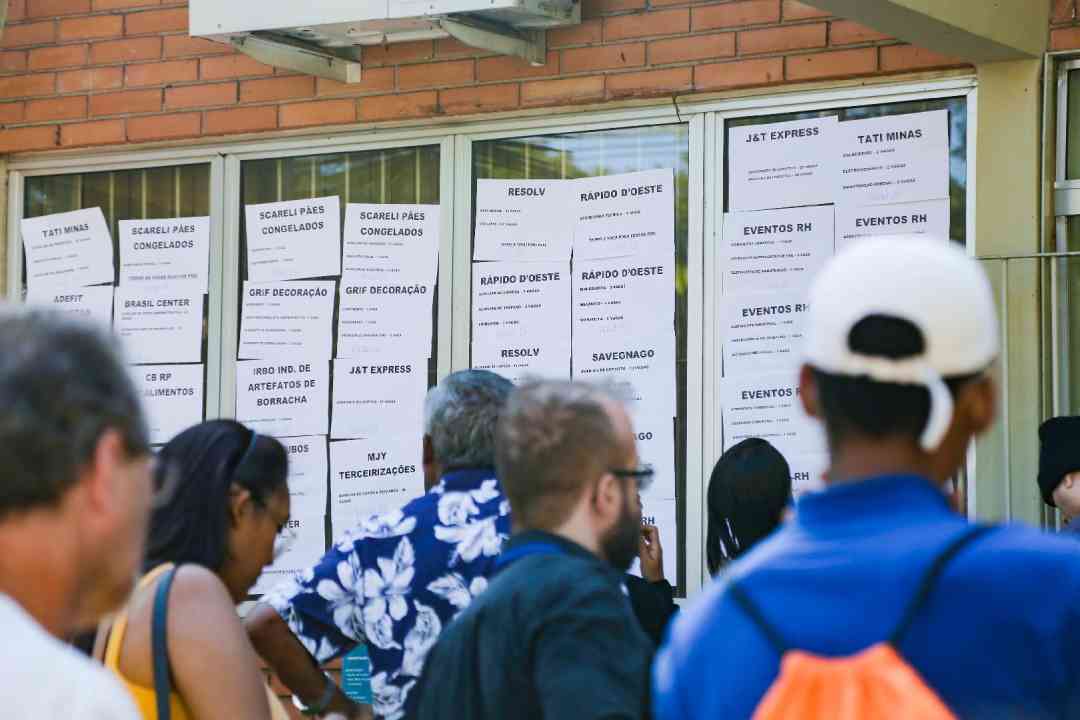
<point>705,117</point>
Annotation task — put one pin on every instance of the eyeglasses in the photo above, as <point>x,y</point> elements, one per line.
<point>642,475</point>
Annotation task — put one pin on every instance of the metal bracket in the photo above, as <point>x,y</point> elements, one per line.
<point>341,64</point>
<point>530,45</point>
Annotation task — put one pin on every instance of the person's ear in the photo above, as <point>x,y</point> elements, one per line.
<point>100,477</point>
<point>808,392</point>
<point>979,399</point>
<point>608,499</point>
<point>428,451</point>
<point>240,502</point>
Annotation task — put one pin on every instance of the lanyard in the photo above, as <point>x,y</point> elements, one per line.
<point>520,551</point>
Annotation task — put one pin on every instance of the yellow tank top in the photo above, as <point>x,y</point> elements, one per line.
<point>145,697</point>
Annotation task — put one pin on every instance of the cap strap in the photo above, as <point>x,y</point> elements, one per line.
<point>941,412</point>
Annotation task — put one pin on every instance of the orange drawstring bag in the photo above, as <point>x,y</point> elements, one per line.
<point>874,683</point>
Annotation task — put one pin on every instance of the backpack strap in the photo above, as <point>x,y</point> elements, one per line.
<point>929,581</point>
<point>755,615</point>
<point>158,623</point>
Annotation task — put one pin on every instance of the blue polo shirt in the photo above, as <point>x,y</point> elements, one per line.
<point>998,638</point>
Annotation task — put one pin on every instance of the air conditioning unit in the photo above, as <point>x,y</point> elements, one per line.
<point>327,37</point>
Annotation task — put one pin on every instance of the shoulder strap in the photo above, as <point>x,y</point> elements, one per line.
<point>933,574</point>
<point>754,613</point>
<point>158,625</point>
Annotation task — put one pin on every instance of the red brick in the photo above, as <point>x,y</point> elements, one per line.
<point>661,22</point>
<point>782,39</point>
<point>694,47</point>
<point>156,21</point>
<point>231,66</point>
<point>397,53</point>
<point>1064,11</point>
<point>92,79</point>
<point>485,98</point>
<point>130,101</point>
<point>504,67</point>
<point>849,32</point>
<point>396,107</point>
<point>38,33</point>
<point>895,58</point>
<point>794,10</point>
<point>162,73</point>
<point>12,112</point>
<point>95,132</point>
<point>123,4</point>
<point>16,10</point>
<point>373,80</point>
<point>52,8</point>
<point>68,107</point>
<point>189,96</point>
<point>603,57</point>
<point>94,26</point>
<point>1065,38</point>
<point>12,61</point>
<point>742,73</point>
<point>840,63</point>
<point>239,120</point>
<point>457,72</point>
<point>650,82</point>
<point>734,14</point>
<point>186,46</point>
<point>115,51</point>
<point>278,88</point>
<point>57,56</point>
<point>28,138</point>
<point>318,112</point>
<point>27,85</point>
<point>568,90</point>
<point>450,47</point>
<point>593,8</point>
<point>163,127</point>
<point>586,33</point>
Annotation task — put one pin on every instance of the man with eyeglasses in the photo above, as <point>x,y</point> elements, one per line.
<point>553,636</point>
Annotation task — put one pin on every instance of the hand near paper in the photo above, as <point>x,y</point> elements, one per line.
<point>651,554</point>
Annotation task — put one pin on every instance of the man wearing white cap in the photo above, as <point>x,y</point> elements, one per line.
<point>901,337</point>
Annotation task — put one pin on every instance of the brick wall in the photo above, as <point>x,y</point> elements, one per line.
<point>98,72</point>
<point>1064,25</point>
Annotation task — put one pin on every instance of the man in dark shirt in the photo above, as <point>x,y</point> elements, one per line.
<point>553,636</point>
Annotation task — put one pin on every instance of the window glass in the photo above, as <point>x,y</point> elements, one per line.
<point>144,194</point>
<point>404,175</point>
<point>608,152</point>
<point>807,465</point>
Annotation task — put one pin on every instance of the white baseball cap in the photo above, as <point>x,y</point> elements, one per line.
<point>929,283</point>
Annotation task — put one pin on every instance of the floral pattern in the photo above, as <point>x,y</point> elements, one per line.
<point>397,579</point>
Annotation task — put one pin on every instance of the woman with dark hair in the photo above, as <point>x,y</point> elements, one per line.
<point>749,489</point>
<point>226,502</point>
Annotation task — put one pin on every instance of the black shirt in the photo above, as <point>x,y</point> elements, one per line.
<point>653,604</point>
<point>552,636</point>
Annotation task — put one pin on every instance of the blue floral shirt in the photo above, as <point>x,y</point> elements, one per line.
<point>396,580</point>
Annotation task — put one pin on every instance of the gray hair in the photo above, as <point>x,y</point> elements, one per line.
<point>62,384</point>
<point>555,437</point>
<point>460,415</point>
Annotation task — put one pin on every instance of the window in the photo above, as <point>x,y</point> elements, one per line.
<point>152,193</point>
<point>807,466</point>
<point>608,152</point>
<point>392,176</point>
